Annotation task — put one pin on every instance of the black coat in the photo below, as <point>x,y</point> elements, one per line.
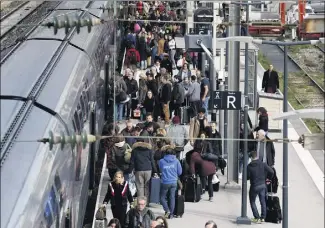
<point>270,81</point>
<point>118,194</point>
<point>118,158</point>
<point>216,144</point>
<point>166,93</point>
<point>149,104</point>
<point>263,123</point>
<point>132,87</point>
<point>142,48</point>
<point>153,86</point>
<point>270,152</point>
<point>167,64</point>
<point>142,157</point>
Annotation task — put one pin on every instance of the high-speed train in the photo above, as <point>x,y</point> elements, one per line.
<point>42,187</point>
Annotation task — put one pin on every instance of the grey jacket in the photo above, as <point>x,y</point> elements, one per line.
<point>194,91</point>
<point>178,135</point>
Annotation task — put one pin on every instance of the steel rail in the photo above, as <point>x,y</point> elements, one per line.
<point>22,115</point>
<point>15,9</point>
<point>309,77</point>
<point>20,21</point>
<point>15,46</point>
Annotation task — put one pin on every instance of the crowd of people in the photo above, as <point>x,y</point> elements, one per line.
<point>150,150</point>
<point>163,101</point>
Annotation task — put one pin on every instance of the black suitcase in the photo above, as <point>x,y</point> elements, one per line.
<point>192,189</point>
<point>273,210</point>
<point>185,113</point>
<point>272,183</point>
<point>179,206</point>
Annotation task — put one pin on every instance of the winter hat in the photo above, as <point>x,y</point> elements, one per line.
<point>176,120</point>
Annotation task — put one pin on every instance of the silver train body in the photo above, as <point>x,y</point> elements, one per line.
<point>42,187</point>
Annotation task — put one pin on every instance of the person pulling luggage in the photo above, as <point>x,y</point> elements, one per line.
<point>257,172</point>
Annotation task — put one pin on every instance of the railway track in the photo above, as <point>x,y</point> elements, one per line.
<point>15,17</point>
<point>305,90</point>
<point>10,41</point>
<point>5,15</point>
<point>321,48</point>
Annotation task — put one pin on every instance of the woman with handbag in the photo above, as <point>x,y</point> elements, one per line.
<point>118,193</point>
<point>206,171</point>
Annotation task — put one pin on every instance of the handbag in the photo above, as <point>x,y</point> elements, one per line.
<point>101,213</point>
<point>137,113</point>
<point>210,157</point>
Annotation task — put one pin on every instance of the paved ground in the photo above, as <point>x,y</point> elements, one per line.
<point>306,193</point>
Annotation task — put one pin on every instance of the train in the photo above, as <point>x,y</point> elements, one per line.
<point>42,187</point>
<point>312,27</point>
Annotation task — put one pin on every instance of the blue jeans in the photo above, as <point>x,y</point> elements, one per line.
<point>143,64</point>
<point>171,189</point>
<point>205,105</point>
<point>119,111</point>
<point>259,191</point>
<point>153,55</point>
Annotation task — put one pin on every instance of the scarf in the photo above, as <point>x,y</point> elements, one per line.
<point>261,151</point>
<point>120,144</point>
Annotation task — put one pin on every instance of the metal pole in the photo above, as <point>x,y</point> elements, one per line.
<point>213,79</point>
<point>243,219</point>
<point>225,112</point>
<point>203,59</point>
<point>285,196</point>
<point>233,85</point>
<point>106,92</point>
<point>255,83</point>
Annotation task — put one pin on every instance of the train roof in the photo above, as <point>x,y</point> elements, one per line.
<point>315,16</point>
<point>18,75</point>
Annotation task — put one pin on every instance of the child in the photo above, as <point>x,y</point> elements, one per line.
<point>119,194</point>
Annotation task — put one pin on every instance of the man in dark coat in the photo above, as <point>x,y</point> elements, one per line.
<point>270,82</point>
<point>165,96</point>
<point>178,95</point>
<point>153,86</point>
<point>167,64</point>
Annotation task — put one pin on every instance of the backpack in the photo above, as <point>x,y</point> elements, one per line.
<point>128,152</point>
<point>119,92</point>
<point>132,57</point>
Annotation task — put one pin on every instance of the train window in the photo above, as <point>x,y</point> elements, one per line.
<point>48,215</point>
<point>77,122</point>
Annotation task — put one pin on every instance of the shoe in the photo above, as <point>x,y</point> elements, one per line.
<point>262,220</point>
<point>167,214</point>
<point>171,216</point>
<point>240,176</point>
<point>255,220</point>
<point>211,199</point>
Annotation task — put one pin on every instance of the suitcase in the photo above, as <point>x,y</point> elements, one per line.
<point>185,113</point>
<point>155,190</point>
<point>179,206</point>
<point>273,210</point>
<point>192,189</point>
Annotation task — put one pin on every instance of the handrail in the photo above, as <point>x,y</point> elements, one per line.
<point>99,191</point>
<point>122,67</point>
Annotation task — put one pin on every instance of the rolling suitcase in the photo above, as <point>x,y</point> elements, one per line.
<point>185,113</point>
<point>192,189</point>
<point>273,210</point>
<point>155,190</point>
<point>179,206</point>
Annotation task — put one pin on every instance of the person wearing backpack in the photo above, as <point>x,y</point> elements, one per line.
<point>132,57</point>
<point>118,151</point>
<point>120,97</point>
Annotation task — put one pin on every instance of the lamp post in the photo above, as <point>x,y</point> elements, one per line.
<point>285,121</point>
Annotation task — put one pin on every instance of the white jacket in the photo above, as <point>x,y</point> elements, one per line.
<point>172,44</point>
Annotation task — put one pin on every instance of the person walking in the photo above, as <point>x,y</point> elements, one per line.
<point>178,135</point>
<point>170,169</point>
<point>193,94</point>
<point>143,163</point>
<point>257,172</point>
<point>270,82</point>
<point>119,195</point>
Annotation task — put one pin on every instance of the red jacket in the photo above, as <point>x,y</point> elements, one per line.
<point>206,167</point>
<point>140,7</point>
<point>129,54</point>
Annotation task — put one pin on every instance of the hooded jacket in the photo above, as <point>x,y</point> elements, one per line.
<point>142,157</point>
<point>170,169</point>
<point>133,218</point>
<point>257,172</point>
